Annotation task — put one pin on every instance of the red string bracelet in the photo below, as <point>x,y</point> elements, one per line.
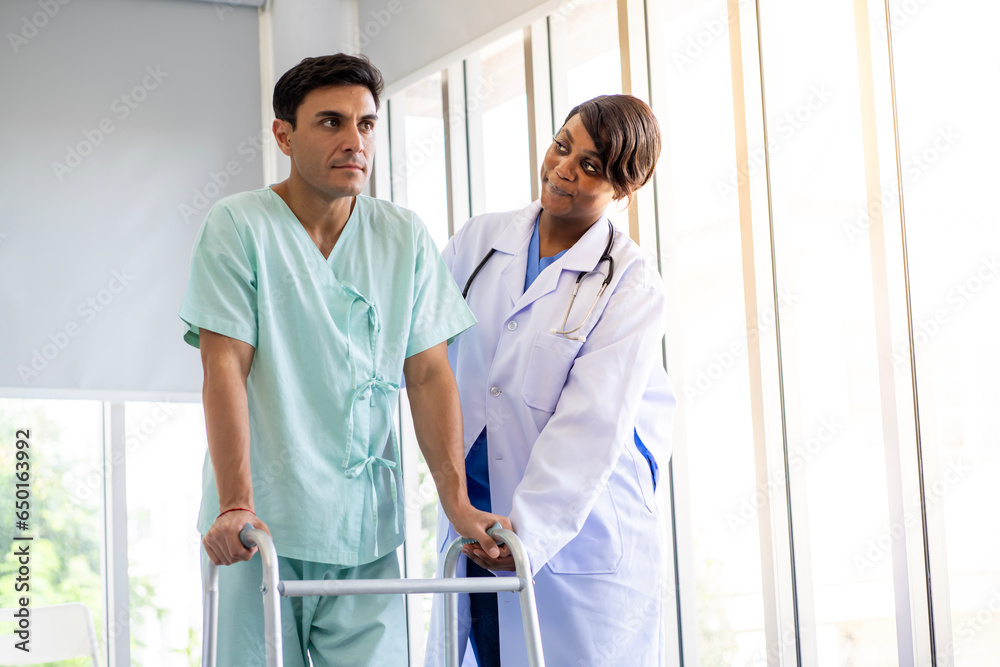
<point>236,509</point>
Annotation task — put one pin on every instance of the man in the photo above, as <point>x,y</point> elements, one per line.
<point>308,302</point>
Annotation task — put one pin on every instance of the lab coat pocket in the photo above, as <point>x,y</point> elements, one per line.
<point>548,366</point>
<point>598,547</point>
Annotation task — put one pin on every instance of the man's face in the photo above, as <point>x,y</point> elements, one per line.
<point>333,143</point>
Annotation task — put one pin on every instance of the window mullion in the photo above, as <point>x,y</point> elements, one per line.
<point>116,626</point>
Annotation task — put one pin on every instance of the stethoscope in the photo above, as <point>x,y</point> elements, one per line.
<point>605,256</point>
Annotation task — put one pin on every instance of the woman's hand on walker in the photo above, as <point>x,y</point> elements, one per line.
<point>505,561</point>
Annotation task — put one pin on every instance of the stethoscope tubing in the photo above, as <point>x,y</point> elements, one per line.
<point>605,256</point>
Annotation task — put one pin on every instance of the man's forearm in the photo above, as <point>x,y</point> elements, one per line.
<point>437,420</point>
<point>227,424</point>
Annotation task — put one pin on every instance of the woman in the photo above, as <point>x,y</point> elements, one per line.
<point>566,413</point>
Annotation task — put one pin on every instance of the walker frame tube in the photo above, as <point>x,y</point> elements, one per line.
<point>526,593</point>
<point>210,620</point>
<point>273,590</point>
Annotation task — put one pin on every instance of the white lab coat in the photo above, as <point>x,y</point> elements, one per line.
<point>559,415</point>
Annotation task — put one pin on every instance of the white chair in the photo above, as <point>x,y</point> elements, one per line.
<point>58,632</point>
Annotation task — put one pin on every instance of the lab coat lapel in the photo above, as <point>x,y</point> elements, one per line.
<point>514,241</point>
<point>583,256</point>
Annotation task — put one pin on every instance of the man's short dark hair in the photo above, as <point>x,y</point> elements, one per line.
<point>312,73</point>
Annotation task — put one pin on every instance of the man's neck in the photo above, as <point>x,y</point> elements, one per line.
<point>323,218</point>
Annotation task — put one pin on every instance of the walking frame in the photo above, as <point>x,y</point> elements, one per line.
<point>273,589</point>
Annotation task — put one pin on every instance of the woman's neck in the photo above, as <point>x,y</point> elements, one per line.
<point>558,234</point>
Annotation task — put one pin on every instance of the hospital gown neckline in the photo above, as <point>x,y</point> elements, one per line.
<point>345,235</point>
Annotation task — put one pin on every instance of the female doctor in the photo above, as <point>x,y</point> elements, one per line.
<point>565,404</point>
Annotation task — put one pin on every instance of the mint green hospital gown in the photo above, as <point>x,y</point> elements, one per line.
<point>330,336</point>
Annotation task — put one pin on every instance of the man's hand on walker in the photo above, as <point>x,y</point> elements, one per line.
<point>222,541</point>
<point>472,523</point>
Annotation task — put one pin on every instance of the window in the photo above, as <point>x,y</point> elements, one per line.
<point>586,59</point>
<point>165,446</point>
<point>418,112</point>
<point>70,472</point>
<point>505,125</point>
<point>948,143</point>
<point>716,495</point>
<point>836,450</point>
<point>66,503</point>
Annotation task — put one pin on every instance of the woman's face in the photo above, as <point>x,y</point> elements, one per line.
<point>574,187</point>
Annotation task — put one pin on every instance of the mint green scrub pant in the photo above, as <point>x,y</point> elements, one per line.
<point>336,631</point>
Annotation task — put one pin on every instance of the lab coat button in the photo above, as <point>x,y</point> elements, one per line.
<point>512,325</point>
<point>495,391</point>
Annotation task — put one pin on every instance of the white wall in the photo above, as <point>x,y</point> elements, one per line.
<point>120,118</point>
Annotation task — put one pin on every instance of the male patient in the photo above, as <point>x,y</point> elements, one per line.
<point>309,302</point>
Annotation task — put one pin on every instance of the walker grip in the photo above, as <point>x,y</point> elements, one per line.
<point>243,535</point>
<point>489,531</point>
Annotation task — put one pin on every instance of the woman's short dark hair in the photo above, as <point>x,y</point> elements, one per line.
<point>627,138</point>
<point>312,73</point>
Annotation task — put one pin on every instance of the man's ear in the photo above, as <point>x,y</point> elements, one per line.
<point>282,130</point>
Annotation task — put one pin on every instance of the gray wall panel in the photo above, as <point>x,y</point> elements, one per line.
<point>101,195</point>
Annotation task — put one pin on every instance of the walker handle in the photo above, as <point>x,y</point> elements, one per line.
<point>466,540</point>
<point>243,535</point>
